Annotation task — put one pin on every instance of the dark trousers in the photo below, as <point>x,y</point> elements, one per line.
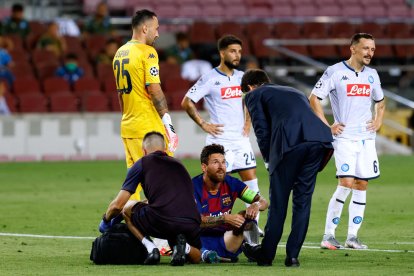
<point>296,172</point>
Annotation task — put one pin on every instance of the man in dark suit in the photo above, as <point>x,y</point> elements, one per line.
<point>295,145</point>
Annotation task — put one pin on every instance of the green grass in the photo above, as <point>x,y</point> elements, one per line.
<point>68,199</point>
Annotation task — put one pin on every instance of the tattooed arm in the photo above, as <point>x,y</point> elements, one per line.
<point>210,222</point>
<point>158,98</point>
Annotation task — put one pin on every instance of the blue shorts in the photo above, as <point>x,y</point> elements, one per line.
<point>217,244</point>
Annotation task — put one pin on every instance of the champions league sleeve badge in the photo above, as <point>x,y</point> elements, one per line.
<point>154,71</point>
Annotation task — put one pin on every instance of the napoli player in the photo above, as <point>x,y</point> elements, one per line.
<point>215,193</point>
<point>351,86</point>
<point>229,123</point>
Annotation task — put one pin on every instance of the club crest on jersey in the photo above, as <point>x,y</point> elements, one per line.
<point>371,79</point>
<point>231,92</point>
<point>359,90</point>
<point>154,71</point>
<point>226,201</point>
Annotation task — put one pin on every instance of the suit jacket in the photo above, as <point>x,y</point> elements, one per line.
<point>282,119</point>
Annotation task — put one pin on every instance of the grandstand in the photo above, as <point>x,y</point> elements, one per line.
<point>301,35</point>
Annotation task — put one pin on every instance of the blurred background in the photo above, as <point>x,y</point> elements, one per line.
<point>58,99</point>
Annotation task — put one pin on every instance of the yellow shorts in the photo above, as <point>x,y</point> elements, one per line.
<point>134,152</point>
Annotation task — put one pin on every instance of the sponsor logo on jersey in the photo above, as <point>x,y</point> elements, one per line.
<point>154,71</point>
<point>361,90</point>
<point>345,167</point>
<point>357,220</point>
<point>335,221</point>
<point>344,78</point>
<point>371,79</point>
<point>217,83</point>
<point>231,92</point>
<point>151,56</point>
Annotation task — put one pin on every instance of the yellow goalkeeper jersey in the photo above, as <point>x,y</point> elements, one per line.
<point>135,66</point>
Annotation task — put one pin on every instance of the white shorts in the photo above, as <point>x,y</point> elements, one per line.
<point>239,153</point>
<point>356,159</point>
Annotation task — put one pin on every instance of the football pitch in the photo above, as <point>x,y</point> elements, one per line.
<point>49,214</point>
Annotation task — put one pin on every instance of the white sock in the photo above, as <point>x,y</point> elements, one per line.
<point>254,186</point>
<point>149,245</point>
<point>335,206</point>
<point>187,248</point>
<point>356,211</point>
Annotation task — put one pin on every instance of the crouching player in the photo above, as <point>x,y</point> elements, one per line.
<point>170,212</point>
<point>222,233</point>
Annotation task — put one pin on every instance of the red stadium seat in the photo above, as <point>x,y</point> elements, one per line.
<point>314,30</point>
<point>323,51</point>
<point>342,30</point>
<point>54,85</point>
<point>398,30</point>
<point>375,11</point>
<point>168,70</point>
<point>306,10</point>
<point>229,27</point>
<point>46,70</point>
<point>43,56</point>
<point>202,33</point>
<point>287,30</point>
<point>64,102</point>
<point>94,44</point>
<point>104,71</point>
<point>353,11</point>
<point>330,10</point>
<point>86,86</point>
<point>166,10</point>
<point>258,28</point>
<point>109,86</point>
<point>373,28</point>
<point>114,102</point>
<point>285,10</point>
<point>190,11</point>
<point>11,102</point>
<point>27,86</point>
<point>234,11</point>
<point>260,50</point>
<point>95,103</point>
<point>22,70</point>
<point>32,102</point>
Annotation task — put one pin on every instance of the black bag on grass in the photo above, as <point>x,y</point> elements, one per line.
<point>118,246</point>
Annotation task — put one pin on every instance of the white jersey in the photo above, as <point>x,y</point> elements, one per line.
<point>223,100</point>
<point>351,96</point>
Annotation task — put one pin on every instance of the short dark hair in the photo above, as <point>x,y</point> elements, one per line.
<point>181,36</point>
<point>71,56</point>
<point>17,7</point>
<point>254,77</point>
<point>141,16</point>
<point>356,37</point>
<point>227,40</point>
<point>209,150</point>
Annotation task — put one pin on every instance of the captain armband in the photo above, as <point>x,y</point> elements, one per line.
<point>248,195</point>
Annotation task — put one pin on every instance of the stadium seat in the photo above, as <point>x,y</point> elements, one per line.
<point>189,11</point>
<point>314,30</point>
<point>330,10</point>
<point>176,86</point>
<point>54,85</point>
<point>234,11</point>
<point>109,86</point>
<point>32,102</point>
<point>259,12</point>
<point>114,103</point>
<point>18,42</point>
<point>168,10</point>
<point>375,11</point>
<point>258,28</point>
<point>104,71</point>
<point>11,102</point>
<point>342,30</point>
<point>27,86</point>
<point>64,102</point>
<point>95,103</point>
<point>260,50</point>
<point>287,30</point>
<point>168,70</point>
<point>282,11</point>
<point>324,52</point>
<point>398,30</point>
<point>37,27</point>
<point>22,70</point>
<point>202,33</point>
<point>86,86</point>
<point>398,11</point>
<point>353,11</point>
<point>89,7</point>
<point>94,44</point>
<point>229,27</point>
<point>46,70</point>
<point>43,56</point>
<point>306,10</point>
<point>373,28</point>
<point>53,157</point>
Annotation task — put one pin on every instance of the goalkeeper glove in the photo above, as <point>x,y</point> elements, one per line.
<point>169,128</point>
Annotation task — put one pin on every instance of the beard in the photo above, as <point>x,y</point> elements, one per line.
<point>230,64</point>
<point>216,177</point>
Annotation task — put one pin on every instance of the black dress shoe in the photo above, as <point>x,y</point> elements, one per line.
<point>153,258</point>
<point>254,254</point>
<point>292,262</point>
<point>178,255</point>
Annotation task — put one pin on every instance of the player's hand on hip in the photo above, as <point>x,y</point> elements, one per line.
<point>373,126</point>
<point>213,129</point>
<point>170,131</point>
<point>337,129</point>
<point>234,220</point>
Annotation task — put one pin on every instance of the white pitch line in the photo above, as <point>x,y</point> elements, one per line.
<point>395,243</point>
<point>281,245</point>
<point>45,236</point>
